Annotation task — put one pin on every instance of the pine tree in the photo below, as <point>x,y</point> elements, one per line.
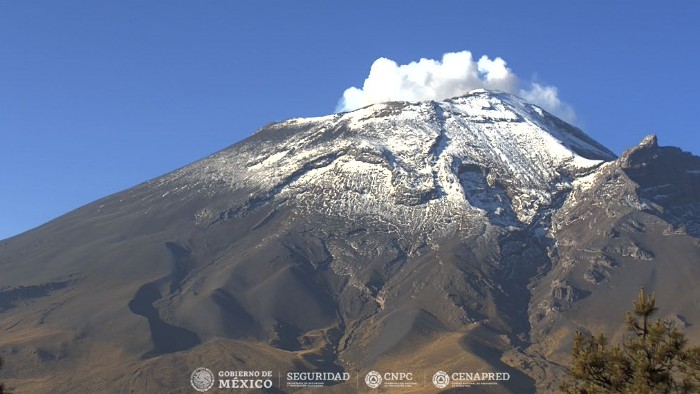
<point>652,359</point>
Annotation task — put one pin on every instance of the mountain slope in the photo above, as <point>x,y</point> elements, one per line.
<point>355,241</point>
<point>631,224</point>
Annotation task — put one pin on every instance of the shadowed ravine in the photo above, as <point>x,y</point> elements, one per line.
<point>166,337</point>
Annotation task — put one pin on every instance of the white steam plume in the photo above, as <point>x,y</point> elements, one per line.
<point>455,75</point>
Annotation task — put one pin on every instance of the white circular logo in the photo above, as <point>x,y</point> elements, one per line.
<point>373,379</point>
<point>202,379</point>
<point>441,379</point>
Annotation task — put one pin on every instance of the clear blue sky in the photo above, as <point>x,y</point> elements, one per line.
<point>98,96</point>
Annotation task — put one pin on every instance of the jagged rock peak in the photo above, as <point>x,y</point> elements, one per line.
<point>640,153</point>
<point>649,141</point>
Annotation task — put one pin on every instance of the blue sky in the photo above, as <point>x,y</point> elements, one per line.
<point>98,96</point>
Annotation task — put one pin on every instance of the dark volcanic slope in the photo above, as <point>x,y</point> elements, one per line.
<point>632,225</point>
<point>472,234</point>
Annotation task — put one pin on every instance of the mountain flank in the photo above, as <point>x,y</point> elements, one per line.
<point>477,234</point>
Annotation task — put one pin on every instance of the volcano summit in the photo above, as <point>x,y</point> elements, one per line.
<point>474,234</point>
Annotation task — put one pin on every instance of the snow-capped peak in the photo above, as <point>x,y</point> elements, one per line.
<point>487,153</point>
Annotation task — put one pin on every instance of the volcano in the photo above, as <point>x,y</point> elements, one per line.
<point>472,234</point>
